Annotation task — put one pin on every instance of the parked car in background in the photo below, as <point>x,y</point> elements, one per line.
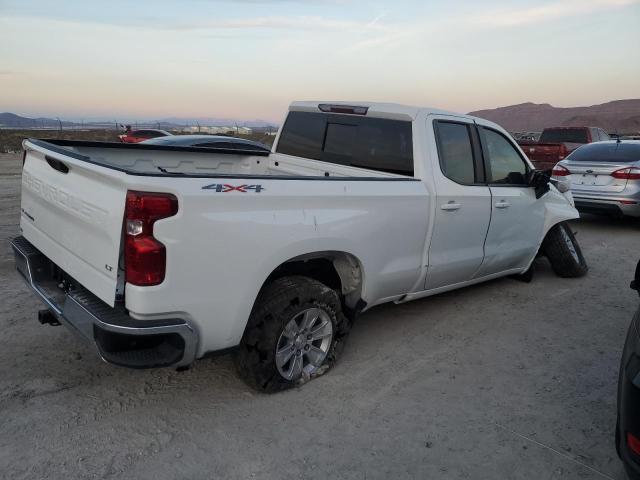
<point>209,141</point>
<point>137,136</point>
<point>558,142</point>
<point>604,177</point>
<point>628,423</point>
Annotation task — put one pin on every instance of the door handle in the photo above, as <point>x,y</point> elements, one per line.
<point>451,206</point>
<point>503,204</point>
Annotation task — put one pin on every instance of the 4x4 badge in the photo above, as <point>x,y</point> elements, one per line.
<point>224,188</point>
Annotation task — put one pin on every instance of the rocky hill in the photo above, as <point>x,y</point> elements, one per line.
<point>622,116</point>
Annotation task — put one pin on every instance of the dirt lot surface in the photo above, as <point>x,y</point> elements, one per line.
<point>502,380</point>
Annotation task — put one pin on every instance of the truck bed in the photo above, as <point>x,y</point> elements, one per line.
<point>159,160</point>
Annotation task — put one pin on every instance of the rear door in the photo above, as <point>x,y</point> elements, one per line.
<point>463,203</point>
<point>72,211</point>
<point>517,217</point>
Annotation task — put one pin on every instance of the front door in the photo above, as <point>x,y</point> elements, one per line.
<point>463,204</point>
<point>517,217</point>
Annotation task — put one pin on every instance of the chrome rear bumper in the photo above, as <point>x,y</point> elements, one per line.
<point>118,338</point>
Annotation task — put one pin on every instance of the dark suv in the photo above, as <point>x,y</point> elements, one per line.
<point>628,427</point>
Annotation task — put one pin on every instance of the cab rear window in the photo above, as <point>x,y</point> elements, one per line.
<point>373,143</point>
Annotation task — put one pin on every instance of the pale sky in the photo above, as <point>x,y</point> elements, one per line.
<point>248,59</point>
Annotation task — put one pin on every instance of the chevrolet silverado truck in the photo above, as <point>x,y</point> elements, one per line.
<point>159,255</point>
<point>557,143</point>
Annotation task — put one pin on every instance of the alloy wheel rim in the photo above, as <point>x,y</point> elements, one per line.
<point>304,343</point>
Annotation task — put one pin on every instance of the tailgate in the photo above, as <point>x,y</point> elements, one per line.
<point>72,211</point>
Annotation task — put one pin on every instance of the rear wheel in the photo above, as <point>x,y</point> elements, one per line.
<point>295,333</point>
<point>564,253</point>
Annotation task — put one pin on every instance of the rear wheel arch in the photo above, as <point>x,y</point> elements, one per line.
<point>338,270</point>
<point>295,332</point>
<point>341,271</point>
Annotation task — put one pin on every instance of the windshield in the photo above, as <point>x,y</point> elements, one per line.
<point>613,152</point>
<point>564,135</point>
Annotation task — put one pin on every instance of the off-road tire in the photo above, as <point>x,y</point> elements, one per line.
<point>277,304</point>
<point>563,261</point>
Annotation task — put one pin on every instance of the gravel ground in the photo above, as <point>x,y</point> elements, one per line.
<point>501,380</point>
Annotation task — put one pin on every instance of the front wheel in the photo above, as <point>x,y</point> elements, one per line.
<point>564,253</point>
<point>295,332</point>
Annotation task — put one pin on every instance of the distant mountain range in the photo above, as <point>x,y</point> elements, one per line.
<point>16,121</point>
<point>11,120</point>
<point>621,116</point>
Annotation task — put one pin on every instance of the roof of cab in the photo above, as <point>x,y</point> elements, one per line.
<point>376,109</point>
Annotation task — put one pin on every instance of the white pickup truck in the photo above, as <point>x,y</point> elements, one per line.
<point>162,255</point>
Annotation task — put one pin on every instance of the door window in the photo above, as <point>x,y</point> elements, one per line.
<point>504,164</point>
<point>455,152</point>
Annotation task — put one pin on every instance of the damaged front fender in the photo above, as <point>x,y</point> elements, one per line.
<point>558,207</point>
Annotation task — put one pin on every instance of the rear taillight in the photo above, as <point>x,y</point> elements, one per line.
<point>145,257</point>
<point>632,173</point>
<point>634,443</point>
<point>560,171</point>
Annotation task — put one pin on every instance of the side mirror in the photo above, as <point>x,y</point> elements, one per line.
<point>539,180</point>
<point>635,283</point>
